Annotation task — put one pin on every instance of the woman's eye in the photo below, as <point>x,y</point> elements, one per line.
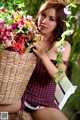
<point>43,14</point>
<point>52,19</point>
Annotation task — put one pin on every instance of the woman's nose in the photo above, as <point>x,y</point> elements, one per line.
<point>45,20</point>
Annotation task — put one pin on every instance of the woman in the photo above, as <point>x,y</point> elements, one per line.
<point>39,95</point>
<point>39,98</point>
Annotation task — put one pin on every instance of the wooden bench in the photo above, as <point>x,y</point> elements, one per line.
<point>63,91</point>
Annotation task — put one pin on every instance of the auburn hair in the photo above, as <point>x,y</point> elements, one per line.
<point>60,17</point>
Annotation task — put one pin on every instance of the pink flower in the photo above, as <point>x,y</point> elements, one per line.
<point>21,23</point>
<point>28,37</point>
<point>14,26</point>
<point>3,9</point>
<point>18,45</point>
<point>21,52</point>
<point>16,31</point>
<point>6,43</point>
<point>23,36</point>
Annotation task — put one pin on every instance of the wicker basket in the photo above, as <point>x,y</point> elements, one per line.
<point>15,72</point>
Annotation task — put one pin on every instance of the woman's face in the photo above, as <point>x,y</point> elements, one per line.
<point>47,21</point>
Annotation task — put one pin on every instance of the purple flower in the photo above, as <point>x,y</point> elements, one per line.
<point>13,26</point>
<point>70,32</point>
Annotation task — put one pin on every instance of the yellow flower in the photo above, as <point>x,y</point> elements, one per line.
<point>27,23</point>
<point>37,37</point>
<point>33,25</point>
<point>17,16</point>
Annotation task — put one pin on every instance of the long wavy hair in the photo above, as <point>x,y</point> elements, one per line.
<point>60,17</point>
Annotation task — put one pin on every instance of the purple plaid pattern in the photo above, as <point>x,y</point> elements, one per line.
<point>41,88</point>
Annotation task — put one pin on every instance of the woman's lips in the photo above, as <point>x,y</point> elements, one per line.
<point>43,27</point>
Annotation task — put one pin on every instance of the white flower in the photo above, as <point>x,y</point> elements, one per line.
<point>66,11</point>
<point>61,49</point>
<point>70,32</point>
<point>1,8</point>
<point>30,28</point>
<point>20,12</point>
<point>1,20</point>
<point>42,37</point>
<point>29,17</point>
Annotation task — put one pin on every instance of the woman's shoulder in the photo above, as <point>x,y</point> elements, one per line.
<point>67,46</point>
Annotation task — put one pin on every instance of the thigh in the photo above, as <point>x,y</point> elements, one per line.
<point>11,108</point>
<point>48,114</point>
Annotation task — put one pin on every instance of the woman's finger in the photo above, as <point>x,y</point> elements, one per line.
<point>36,44</point>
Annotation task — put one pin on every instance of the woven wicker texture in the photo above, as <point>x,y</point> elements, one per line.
<point>15,72</point>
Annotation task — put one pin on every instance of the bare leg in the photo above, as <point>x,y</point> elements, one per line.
<point>48,114</point>
<point>11,108</point>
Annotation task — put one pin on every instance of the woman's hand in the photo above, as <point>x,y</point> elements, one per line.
<point>39,49</point>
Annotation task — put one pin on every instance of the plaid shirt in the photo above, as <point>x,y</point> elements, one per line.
<point>41,88</point>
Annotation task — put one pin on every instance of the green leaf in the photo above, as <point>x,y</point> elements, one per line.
<point>59,59</point>
<point>57,80</point>
<point>67,24</point>
<point>59,43</point>
<point>58,74</point>
<point>71,16</point>
<point>73,5</point>
<point>1,47</point>
<point>21,5</point>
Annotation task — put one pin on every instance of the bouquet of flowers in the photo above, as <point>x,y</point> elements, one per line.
<point>17,33</point>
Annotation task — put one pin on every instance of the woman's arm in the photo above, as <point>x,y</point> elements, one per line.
<point>50,67</point>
